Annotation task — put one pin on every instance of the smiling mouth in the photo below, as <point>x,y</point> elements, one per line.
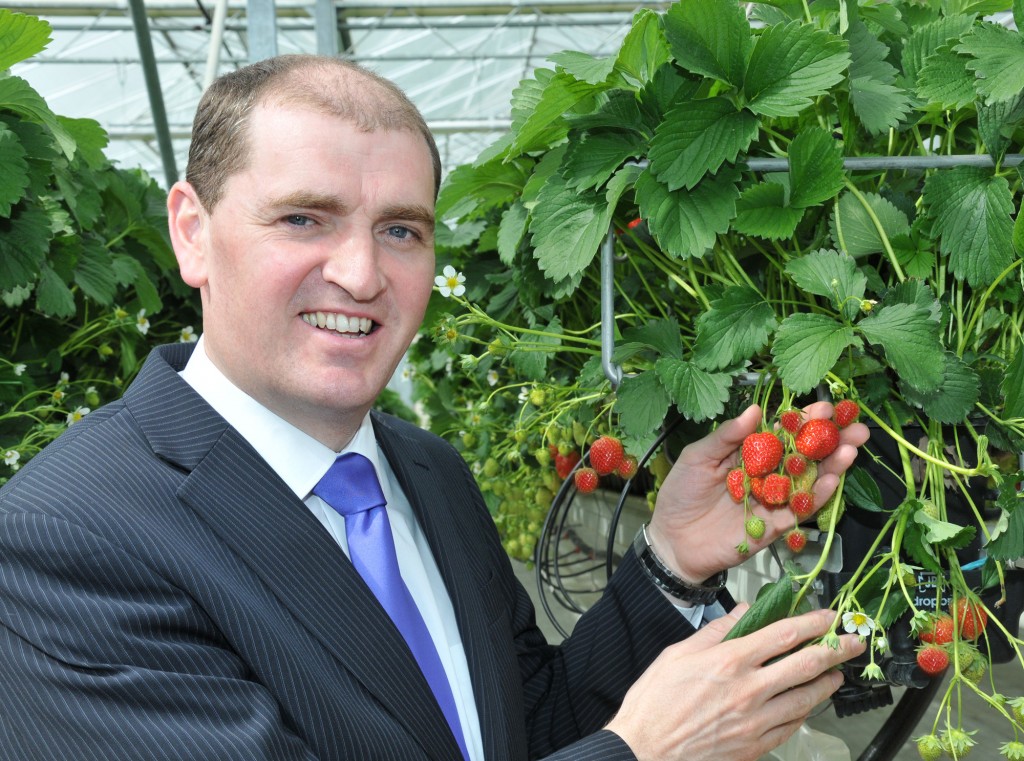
<point>339,323</point>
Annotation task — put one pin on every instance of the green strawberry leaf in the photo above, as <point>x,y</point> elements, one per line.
<point>774,602</point>
<point>736,327</point>
<point>698,394</point>
<point>910,340</point>
<point>696,137</point>
<point>53,297</point>
<point>584,66</point>
<point>641,403</point>
<point>997,60</point>
<point>710,38</point>
<point>915,292</point>
<point>1008,537</point>
<point>660,335</point>
<point>945,81</point>
<point>815,167</point>
<point>591,160</point>
<point>1013,386</point>
<point>942,533</point>
<point>971,212</point>
<point>833,275</point>
<point>917,547</point>
<point>21,37</point>
<point>927,38</point>
<point>14,171</point>
<point>761,210</point>
<point>806,347</point>
<point>855,232</point>
<point>686,222</point>
<point>997,121</point>
<point>532,365</point>
<point>94,272</point>
<point>877,101</point>
<point>511,230</point>
<point>644,48</point>
<point>90,140</point>
<point>790,65</point>
<point>471,191</point>
<point>17,95</point>
<point>538,106</point>
<point>861,490</point>
<point>955,397</point>
<point>23,246</point>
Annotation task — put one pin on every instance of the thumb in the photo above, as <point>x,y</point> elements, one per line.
<point>714,632</point>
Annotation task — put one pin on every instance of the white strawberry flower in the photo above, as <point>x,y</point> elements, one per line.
<point>77,414</point>
<point>450,282</point>
<point>858,622</point>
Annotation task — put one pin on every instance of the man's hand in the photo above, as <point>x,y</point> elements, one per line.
<point>696,525</point>
<point>708,700</point>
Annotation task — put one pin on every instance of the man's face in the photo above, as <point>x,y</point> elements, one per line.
<point>318,265</point>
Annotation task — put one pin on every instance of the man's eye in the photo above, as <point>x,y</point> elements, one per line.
<point>397,231</point>
<point>298,220</point>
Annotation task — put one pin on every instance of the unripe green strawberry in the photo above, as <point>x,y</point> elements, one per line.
<point>754,527</point>
<point>736,483</point>
<point>929,748</point>
<point>817,439</point>
<point>776,490</point>
<point>1013,751</point>
<point>586,479</point>
<point>932,659</point>
<point>491,467</point>
<point>956,742</point>
<point>1017,709</point>
<point>537,397</point>
<point>975,672</point>
<point>966,653</point>
<point>761,453</point>
<point>796,540</point>
<point>805,481</point>
<point>542,455</point>
<point>846,412</point>
<point>606,455</point>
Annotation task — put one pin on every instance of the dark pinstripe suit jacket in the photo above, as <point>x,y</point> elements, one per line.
<point>164,596</point>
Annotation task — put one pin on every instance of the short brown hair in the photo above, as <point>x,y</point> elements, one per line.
<point>220,146</point>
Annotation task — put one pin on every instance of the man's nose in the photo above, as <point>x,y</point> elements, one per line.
<point>353,264</point>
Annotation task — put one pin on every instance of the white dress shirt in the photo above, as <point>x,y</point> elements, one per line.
<point>301,461</point>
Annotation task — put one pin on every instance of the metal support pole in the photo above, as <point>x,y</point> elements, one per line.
<point>220,14</point>
<point>156,99</point>
<point>611,371</point>
<point>326,20</point>
<point>262,15</point>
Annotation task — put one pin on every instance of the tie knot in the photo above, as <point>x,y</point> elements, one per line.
<point>350,485</point>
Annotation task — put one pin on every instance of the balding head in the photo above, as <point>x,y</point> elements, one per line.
<point>220,147</point>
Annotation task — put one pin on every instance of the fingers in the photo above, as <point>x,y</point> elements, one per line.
<point>782,636</point>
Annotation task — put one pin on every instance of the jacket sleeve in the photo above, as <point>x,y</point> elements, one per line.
<point>101,658</point>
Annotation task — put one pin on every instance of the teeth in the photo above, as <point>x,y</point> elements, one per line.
<point>337,322</point>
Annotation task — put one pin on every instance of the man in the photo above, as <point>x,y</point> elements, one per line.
<point>174,586</point>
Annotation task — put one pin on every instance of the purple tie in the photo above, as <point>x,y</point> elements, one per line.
<point>351,487</point>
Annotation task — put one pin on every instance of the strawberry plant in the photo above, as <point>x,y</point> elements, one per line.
<point>770,202</point>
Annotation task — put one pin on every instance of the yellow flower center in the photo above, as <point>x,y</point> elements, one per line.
<point>453,281</point>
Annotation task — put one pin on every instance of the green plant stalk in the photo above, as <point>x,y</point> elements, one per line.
<point>980,307</point>
<point>969,472</point>
<point>878,227</point>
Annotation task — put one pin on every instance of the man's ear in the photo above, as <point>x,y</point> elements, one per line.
<point>188,222</point>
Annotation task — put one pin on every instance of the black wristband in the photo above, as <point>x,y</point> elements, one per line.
<point>667,581</point>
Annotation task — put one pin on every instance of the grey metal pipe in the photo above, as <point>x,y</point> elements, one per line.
<point>612,371</point>
<point>156,98</point>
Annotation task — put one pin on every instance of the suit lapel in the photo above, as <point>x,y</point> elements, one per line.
<point>252,510</point>
<point>428,488</point>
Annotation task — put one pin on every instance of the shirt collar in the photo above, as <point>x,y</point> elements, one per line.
<point>298,458</point>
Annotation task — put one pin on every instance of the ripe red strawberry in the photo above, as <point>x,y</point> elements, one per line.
<point>796,539</point>
<point>932,659</point>
<point>762,453</point>
<point>757,488</point>
<point>846,412</point>
<point>940,631</point>
<point>971,617</point>
<point>755,527</point>
<point>736,483</point>
<point>586,479</point>
<point>776,490</point>
<point>795,464</point>
<point>628,467</point>
<point>606,455</point>
<point>817,439</point>
<point>564,463</point>
<point>802,504</point>
<point>790,420</point>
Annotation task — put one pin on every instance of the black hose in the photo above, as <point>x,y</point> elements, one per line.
<point>896,730</point>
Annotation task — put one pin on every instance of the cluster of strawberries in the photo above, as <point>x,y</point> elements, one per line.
<point>942,636</point>
<point>779,468</point>
<point>606,457</point>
